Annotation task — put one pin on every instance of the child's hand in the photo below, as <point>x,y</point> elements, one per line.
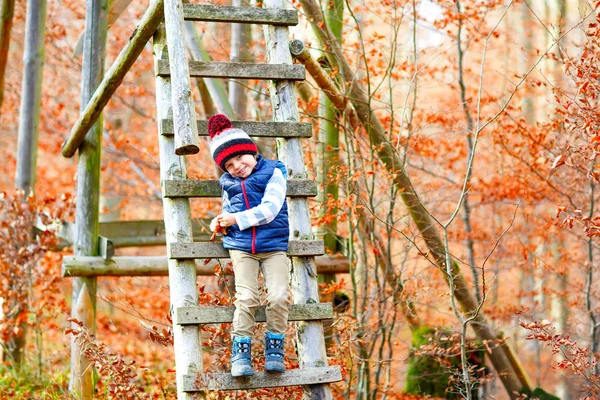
<point>226,219</point>
<point>214,223</point>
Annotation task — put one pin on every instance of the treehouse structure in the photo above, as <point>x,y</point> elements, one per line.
<point>178,132</point>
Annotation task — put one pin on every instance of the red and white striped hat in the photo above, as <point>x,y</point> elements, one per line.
<point>226,141</point>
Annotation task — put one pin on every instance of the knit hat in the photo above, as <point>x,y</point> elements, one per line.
<point>226,141</point>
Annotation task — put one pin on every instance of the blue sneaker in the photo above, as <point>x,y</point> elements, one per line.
<point>241,356</point>
<point>274,352</point>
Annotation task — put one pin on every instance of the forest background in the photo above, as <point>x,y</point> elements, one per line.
<point>489,107</point>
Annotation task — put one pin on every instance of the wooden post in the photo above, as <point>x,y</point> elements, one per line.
<point>305,289</point>
<point>84,310</point>
<point>88,189</point>
<point>178,228</point>
<point>184,116</point>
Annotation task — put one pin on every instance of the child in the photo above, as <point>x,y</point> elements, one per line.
<point>255,218</point>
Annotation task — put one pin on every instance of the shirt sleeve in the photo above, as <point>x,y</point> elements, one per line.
<point>224,201</point>
<point>270,205</point>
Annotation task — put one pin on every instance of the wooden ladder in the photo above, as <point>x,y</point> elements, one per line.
<point>178,135</point>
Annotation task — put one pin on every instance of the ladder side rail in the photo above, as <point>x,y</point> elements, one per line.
<point>178,228</point>
<point>184,116</point>
<point>310,335</point>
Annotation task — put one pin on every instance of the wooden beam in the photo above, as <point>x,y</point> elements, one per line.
<point>203,69</point>
<point>252,128</point>
<point>106,248</point>
<point>211,188</point>
<point>183,251</point>
<point>87,210</point>
<point>114,76</point>
<point>178,224</point>
<point>224,314</point>
<point>182,103</point>
<point>241,15</point>
<point>74,266</point>
<point>293,377</point>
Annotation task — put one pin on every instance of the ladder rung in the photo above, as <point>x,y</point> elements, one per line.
<point>292,377</point>
<point>252,128</point>
<point>157,266</point>
<point>203,69</point>
<point>242,15</point>
<point>211,188</point>
<point>182,251</point>
<point>224,314</point>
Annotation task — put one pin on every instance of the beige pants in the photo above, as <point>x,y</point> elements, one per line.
<point>276,272</point>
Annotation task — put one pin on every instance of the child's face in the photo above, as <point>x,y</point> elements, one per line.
<point>241,166</point>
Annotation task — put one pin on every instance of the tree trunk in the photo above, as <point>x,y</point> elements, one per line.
<point>7,11</point>
<point>88,191</point>
<point>327,161</point>
<point>29,121</point>
<point>29,117</point>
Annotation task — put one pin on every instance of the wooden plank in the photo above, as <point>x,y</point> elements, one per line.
<point>253,128</point>
<point>106,248</point>
<point>224,314</point>
<point>182,103</point>
<point>114,77</point>
<point>73,266</point>
<point>132,233</point>
<point>241,15</point>
<point>293,377</point>
<point>178,225</point>
<point>211,188</point>
<point>204,69</point>
<point>183,251</point>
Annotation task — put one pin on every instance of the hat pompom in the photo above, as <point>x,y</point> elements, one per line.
<point>217,124</point>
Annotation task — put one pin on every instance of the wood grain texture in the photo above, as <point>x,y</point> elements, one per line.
<point>224,314</point>
<point>242,15</point>
<point>293,377</point>
<point>297,248</point>
<point>213,69</point>
<point>211,188</point>
<point>253,128</point>
<point>93,266</point>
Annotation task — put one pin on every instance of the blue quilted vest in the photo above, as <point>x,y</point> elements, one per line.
<point>245,194</point>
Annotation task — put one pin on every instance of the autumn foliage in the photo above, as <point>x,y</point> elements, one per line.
<point>492,111</point>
